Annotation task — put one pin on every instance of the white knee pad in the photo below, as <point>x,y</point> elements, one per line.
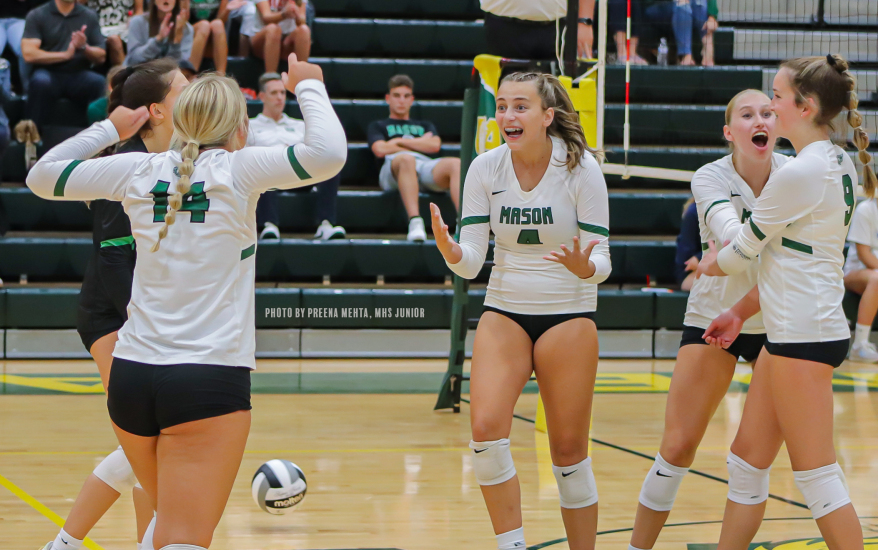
<point>116,472</point>
<point>659,489</point>
<point>182,547</point>
<point>576,485</point>
<point>492,461</point>
<point>747,484</point>
<point>823,488</point>
<point>146,543</point>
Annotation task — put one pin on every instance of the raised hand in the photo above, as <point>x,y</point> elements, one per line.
<point>78,38</point>
<point>299,71</point>
<point>128,121</point>
<point>723,331</point>
<point>577,260</point>
<point>180,24</point>
<point>444,241</point>
<point>165,28</point>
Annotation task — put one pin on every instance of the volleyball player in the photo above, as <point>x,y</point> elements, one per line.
<point>861,276</point>
<point>797,229</point>
<point>725,192</point>
<point>179,395</point>
<point>106,288</point>
<point>541,192</point>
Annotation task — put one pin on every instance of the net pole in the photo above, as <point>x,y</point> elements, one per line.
<point>571,30</point>
<point>627,128</point>
<point>602,70</point>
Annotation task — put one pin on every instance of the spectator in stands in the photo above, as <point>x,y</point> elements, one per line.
<point>97,109</point>
<point>114,16</point>
<point>617,23</point>
<point>688,247</point>
<point>63,40</point>
<point>208,19</point>
<point>278,28</point>
<point>525,29</point>
<point>686,16</point>
<point>164,31</point>
<point>404,145</point>
<point>12,14</point>
<point>5,95</point>
<point>274,127</point>
<point>188,70</point>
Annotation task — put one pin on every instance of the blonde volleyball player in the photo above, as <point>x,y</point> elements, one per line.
<point>725,192</point>
<point>541,192</point>
<point>106,288</point>
<point>179,394</point>
<point>797,229</point>
<point>861,276</point>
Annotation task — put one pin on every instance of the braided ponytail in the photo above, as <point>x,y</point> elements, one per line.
<point>175,201</point>
<point>828,80</point>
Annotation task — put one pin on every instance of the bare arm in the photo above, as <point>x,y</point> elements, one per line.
<point>269,16</point>
<point>383,148</point>
<point>223,12</point>
<point>864,253</point>
<point>138,7</point>
<point>31,52</point>
<point>428,144</point>
<point>95,54</point>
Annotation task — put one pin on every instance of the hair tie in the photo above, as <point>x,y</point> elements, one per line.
<point>830,59</point>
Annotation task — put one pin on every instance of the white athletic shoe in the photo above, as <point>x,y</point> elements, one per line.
<point>47,546</point>
<point>416,230</point>
<point>270,231</point>
<point>327,231</point>
<point>864,352</point>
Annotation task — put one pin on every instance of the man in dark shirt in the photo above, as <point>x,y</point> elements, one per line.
<point>62,39</point>
<point>403,147</point>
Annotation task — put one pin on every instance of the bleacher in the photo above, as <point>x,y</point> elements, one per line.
<point>676,120</point>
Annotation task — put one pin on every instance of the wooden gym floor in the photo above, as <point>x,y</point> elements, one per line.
<point>385,471</point>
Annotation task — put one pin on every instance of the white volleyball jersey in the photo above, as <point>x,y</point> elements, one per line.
<point>797,230</point>
<point>724,202</point>
<point>864,230</point>
<point>529,225</point>
<point>192,301</point>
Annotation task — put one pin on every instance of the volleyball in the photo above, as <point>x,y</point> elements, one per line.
<point>278,486</point>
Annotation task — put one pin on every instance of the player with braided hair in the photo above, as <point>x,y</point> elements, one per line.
<point>797,230</point>
<point>179,397</point>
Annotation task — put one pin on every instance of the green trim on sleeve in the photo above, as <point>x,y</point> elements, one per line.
<point>62,179</point>
<point>121,241</point>
<point>759,234</point>
<point>297,166</point>
<point>596,229</point>
<point>705,247</point>
<point>471,220</point>
<point>250,250</point>
<point>712,9</point>
<point>712,205</point>
<point>796,245</point>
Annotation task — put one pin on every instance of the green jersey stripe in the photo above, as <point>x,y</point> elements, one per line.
<point>62,179</point>
<point>712,205</point>
<point>796,245</point>
<point>759,234</point>
<point>250,250</point>
<point>470,220</point>
<point>297,166</point>
<point>121,241</point>
<point>596,229</point>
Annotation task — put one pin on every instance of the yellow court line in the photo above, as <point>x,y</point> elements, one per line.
<point>43,509</point>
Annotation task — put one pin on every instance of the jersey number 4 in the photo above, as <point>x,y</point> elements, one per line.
<point>849,198</point>
<point>195,202</point>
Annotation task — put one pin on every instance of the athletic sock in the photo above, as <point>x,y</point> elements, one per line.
<point>511,540</point>
<point>630,547</point>
<point>65,542</point>
<point>862,333</point>
<point>139,546</point>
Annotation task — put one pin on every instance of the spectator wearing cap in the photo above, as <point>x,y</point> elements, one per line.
<point>526,29</point>
<point>274,127</point>
<point>63,40</point>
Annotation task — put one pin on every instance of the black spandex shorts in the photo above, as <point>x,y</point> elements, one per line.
<point>747,346</point>
<point>536,325</point>
<point>105,293</point>
<point>145,399</point>
<point>831,353</point>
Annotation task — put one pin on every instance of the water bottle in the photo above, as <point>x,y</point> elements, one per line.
<point>663,53</point>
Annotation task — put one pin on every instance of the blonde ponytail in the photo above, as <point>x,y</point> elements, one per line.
<point>861,141</point>
<point>210,112</point>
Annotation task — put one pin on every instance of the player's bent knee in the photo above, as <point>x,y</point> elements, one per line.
<point>576,485</point>
<point>824,489</point>
<point>492,461</point>
<point>218,27</point>
<point>115,471</point>
<point>659,490</point>
<point>747,484</point>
